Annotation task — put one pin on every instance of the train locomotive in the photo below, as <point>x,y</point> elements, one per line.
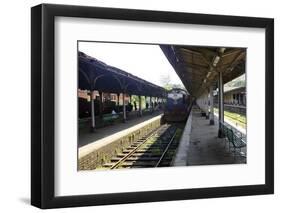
<point>177,105</point>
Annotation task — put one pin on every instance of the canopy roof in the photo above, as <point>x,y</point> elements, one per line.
<point>234,89</point>
<point>96,75</point>
<point>198,67</point>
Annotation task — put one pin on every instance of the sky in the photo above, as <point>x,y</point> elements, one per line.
<point>145,61</point>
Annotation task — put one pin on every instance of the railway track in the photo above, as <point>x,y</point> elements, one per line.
<point>154,150</point>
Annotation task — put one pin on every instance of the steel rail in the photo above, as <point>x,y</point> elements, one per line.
<point>167,147</point>
<point>135,149</point>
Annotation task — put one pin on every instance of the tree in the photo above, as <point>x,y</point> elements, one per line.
<point>165,81</point>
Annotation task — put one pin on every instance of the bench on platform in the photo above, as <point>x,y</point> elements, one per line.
<point>235,141</point>
<point>109,118</point>
<point>84,122</point>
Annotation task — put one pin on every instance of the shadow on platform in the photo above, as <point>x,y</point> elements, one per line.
<point>200,144</point>
<point>86,137</point>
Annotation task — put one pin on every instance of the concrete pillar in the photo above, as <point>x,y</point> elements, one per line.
<point>140,110</point>
<point>93,123</point>
<point>221,105</point>
<point>211,94</point>
<point>124,108</point>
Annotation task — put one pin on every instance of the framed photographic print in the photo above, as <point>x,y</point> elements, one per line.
<point>140,106</point>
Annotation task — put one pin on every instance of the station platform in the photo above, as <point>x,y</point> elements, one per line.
<point>86,137</point>
<point>200,144</point>
<point>105,141</point>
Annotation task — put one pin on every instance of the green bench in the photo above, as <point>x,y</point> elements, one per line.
<point>236,141</point>
<point>109,119</point>
<point>84,122</point>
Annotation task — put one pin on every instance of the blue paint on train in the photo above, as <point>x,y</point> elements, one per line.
<point>176,108</point>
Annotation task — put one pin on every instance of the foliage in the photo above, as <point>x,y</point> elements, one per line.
<point>167,84</point>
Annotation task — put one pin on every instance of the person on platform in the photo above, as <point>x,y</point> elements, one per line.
<point>114,114</point>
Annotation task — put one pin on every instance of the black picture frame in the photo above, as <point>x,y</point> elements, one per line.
<point>43,102</point>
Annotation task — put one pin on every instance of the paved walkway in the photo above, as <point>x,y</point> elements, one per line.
<point>200,144</point>
<point>181,155</point>
<point>86,137</point>
<point>109,138</point>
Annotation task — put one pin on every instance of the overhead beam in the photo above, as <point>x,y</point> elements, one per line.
<point>230,52</point>
<point>207,51</point>
<point>189,51</point>
<point>195,66</point>
<point>213,69</point>
<point>237,59</point>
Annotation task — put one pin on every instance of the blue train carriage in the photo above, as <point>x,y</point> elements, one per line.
<point>177,105</point>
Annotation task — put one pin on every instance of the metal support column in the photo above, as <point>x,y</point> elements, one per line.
<point>207,104</point>
<point>221,105</point>
<point>124,107</point>
<point>118,95</point>
<point>150,103</point>
<point>100,106</point>
<point>211,94</point>
<point>145,102</point>
<point>93,124</point>
<point>140,110</point>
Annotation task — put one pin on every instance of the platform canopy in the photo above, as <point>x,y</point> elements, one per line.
<point>199,67</point>
<point>96,75</point>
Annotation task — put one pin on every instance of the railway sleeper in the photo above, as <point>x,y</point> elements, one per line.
<point>121,155</point>
<point>145,150</point>
<point>132,163</point>
<point>152,143</point>
<point>149,146</point>
<point>137,159</point>
<point>138,164</point>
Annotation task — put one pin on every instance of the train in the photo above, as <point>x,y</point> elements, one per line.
<point>177,106</point>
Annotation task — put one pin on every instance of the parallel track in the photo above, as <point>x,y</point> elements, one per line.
<point>149,151</point>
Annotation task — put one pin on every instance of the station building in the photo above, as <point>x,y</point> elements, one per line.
<point>235,96</point>
<point>203,71</point>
